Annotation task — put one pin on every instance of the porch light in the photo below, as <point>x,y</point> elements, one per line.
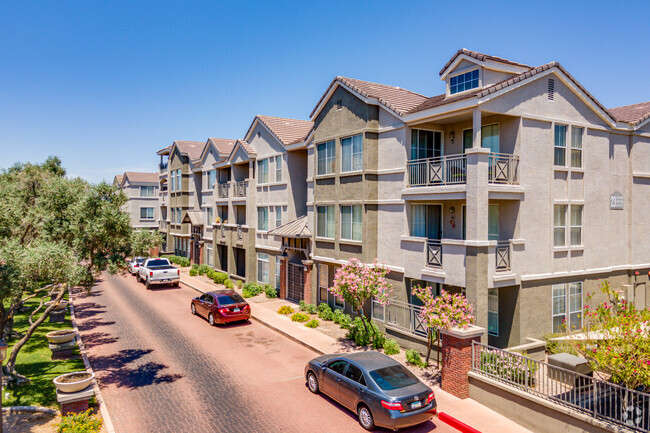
<point>452,210</point>
<point>284,253</point>
<point>452,135</point>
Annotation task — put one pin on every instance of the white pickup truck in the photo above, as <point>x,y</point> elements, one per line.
<point>158,271</point>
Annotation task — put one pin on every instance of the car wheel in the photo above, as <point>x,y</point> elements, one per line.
<point>137,277</point>
<point>365,417</point>
<point>177,284</point>
<point>146,284</point>
<point>312,382</point>
<point>211,319</point>
<point>193,310</point>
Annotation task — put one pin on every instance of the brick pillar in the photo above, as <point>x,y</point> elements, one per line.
<point>283,277</point>
<point>200,254</point>
<point>457,358</point>
<point>307,288</point>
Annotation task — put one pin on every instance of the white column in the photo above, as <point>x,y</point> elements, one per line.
<point>476,125</point>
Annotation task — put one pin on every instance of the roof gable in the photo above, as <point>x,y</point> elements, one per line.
<point>485,60</point>
<point>221,146</point>
<point>286,131</point>
<point>140,177</point>
<point>634,113</point>
<point>242,151</point>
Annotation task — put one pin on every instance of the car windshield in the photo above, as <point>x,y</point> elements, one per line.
<point>159,262</point>
<point>229,299</point>
<point>139,260</point>
<point>393,377</point>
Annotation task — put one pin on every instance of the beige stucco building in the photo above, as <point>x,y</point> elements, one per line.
<point>141,190</point>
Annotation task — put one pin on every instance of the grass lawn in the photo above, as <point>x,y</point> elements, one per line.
<point>34,362</point>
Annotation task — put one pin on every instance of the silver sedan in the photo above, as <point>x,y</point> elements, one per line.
<point>379,389</point>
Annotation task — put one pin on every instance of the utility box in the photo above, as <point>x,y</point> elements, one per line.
<point>575,364</point>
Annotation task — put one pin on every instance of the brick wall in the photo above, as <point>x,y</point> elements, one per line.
<point>74,407</point>
<point>456,363</point>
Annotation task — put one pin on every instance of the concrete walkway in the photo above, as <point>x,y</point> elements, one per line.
<point>467,411</point>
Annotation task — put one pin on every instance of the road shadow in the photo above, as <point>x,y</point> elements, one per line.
<point>87,325</point>
<point>155,288</point>
<point>88,309</point>
<point>98,338</point>
<point>114,370</point>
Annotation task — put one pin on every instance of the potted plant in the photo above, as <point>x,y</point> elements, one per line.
<point>73,382</point>
<point>60,305</point>
<point>61,336</point>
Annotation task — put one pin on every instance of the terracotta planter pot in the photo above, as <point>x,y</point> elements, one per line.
<point>61,305</point>
<point>69,382</point>
<point>59,337</point>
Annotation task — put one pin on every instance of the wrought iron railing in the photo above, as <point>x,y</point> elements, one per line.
<point>434,253</point>
<point>503,168</point>
<point>163,166</point>
<point>441,170</point>
<point>240,232</point>
<point>503,256</point>
<point>240,189</point>
<point>596,397</point>
<point>222,228</point>
<point>222,190</point>
<point>405,317</point>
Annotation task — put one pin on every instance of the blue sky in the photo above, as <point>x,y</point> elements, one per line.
<point>103,85</point>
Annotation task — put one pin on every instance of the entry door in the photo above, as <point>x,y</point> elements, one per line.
<point>295,291</point>
<point>425,144</point>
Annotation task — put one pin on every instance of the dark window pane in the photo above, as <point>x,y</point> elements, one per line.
<point>354,373</point>
<point>229,299</point>
<point>338,366</point>
<point>393,377</point>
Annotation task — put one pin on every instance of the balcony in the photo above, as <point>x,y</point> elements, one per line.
<point>240,189</point>
<point>503,168</point>
<point>403,317</point>
<point>441,170</point>
<point>222,189</point>
<point>502,256</point>
<point>434,253</point>
<point>163,225</point>
<point>163,167</point>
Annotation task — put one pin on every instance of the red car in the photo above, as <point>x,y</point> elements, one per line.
<point>221,306</point>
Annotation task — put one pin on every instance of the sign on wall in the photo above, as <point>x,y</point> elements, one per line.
<point>616,201</point>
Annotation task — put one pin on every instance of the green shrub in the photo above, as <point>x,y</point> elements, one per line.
<point>557,346</point>
<point>193,272</point>
<point>195,266</point>
<point>391,347</point>
<point>302,305</point>
<point>203,269</point>
<point>228,283</point>
<point>300,317</point>
<point>285,309</point>
<point>239,284</point>
<point>219,277</point>
<point>307,308</point>
<point>251,289</point>
<point>313,323</point>
<point>271,292</point>
<point>210,274</point>
<point>413,357</point>
<point>83,422</point>
<point>357,333</point>
<point>325,311</point>
<point>508,366</point>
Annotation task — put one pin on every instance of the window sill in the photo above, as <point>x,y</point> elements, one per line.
<point>561,168</point>
<point>282,183</point>
<point>350,242</point>
<point>321,239</point>
<point>417,239</point>
<point>351,173</point>
<point>325,176</point>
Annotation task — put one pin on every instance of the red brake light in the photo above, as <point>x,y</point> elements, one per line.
<point>178,271</point>
<point>246,307</point>
<point>151,274</point>
<point>392,406</point>
<point>223,310</point>
<point>430,398</point>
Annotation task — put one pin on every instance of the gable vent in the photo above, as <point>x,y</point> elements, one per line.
<point>551,89</point>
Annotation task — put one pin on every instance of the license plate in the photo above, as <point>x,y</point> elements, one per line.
<point>416,405</point>
<point>235,310</point>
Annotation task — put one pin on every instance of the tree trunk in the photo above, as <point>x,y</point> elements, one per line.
<point>11,362</point>
<point>429,344</point>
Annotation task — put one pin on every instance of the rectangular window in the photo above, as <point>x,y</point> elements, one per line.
<point>462,82</point>
<point>263,268</point>
<point>425,144</point>
<point>426,221</point>
<point>278,168</point>
<point>567,307</point>
<point>277,272</point>
<point>468,139</point>
<point>173,215</point>
<point>351,222</point>
<point>560,146</point>
<point>146,213</point>
<point>278,216</point>
<point>490,137</point>
<point>146,191</point>
<point>322,282</point>
<point>212,178</point>
<point>208,255</point>
<point>378,311</point>
<point>210,216</point>
<point>178,215</point>
<point>559,225</point>
<point>262,218</point>
<point>326,157</point>
<point>352,153</point>
<point>576,147</point>
<point>263,169</point>
<point>576,224</point>
<point>173,183</point>
<point>493,222</point>
<point>325,221</point>
<point>493,312</point>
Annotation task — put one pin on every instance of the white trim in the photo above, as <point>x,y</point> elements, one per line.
<point>487,63</point>
<point>594,271</point>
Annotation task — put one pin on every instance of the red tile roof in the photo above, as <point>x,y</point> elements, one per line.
<point>635,113</point>
<point>482,57</point>
<point>247,147</point>
<point>139,177</point>
<point>399,100</point>
<point>224,145</point>
<point>288,131</point>
<point>192,149</point>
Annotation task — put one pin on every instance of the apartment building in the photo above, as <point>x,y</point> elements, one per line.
<point>141,190</point>
<point>516,187</point>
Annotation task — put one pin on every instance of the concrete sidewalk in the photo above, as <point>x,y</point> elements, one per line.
<point>467,411</point>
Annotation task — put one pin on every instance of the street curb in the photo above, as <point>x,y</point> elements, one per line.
<point>458,425</point>
<point>268,325</point>
<point>108,422</point>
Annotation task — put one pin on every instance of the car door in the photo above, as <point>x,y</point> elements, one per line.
<point>207,304</point>
<point>332,378</point>
<point>352,386</point>
<point>201,305</point>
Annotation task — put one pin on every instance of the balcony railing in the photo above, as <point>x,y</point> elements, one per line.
<point>240,189</point>
<point>222,190</point>
<point>434,253</point>
<point>405,317</point>
<point>503,256</point>
<point>240,232</point>
<point>164,225</point>
<point>441,170</point>
<point>163,166</point>
<point>503,168</point>
<point>222,228</point>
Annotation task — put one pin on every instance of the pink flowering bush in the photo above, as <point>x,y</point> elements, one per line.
<point>357,283</point>
<point>617,340</point>
<point>443,312</point>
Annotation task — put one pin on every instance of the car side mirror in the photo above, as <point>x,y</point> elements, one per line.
<point>324,367</point>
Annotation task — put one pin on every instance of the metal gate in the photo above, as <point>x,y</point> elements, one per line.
<point>296,284</point>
